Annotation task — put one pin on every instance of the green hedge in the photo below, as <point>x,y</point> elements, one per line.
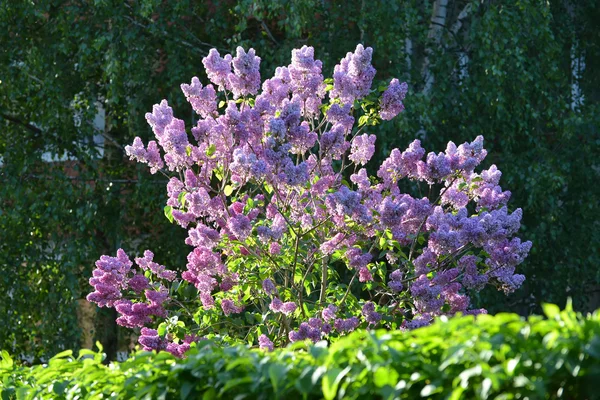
<point>500,357</point>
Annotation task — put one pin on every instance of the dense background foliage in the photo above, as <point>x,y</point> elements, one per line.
<point>522,73</point>
<point>500,356</point>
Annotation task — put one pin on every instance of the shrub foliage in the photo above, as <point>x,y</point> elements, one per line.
<point>502,356</point>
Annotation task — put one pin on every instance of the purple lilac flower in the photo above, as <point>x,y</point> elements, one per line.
<point>391,100</point>
<point>353,76</point>
<point>417,322</point>
<point>371,316</point>
<point>426,295</point>
<point>265,343</point>
<point>203,100</point>
<point>363,148</point>
<point>364,275</point>
<point>203,236</point>
<point>269,287</point>
<point>472,279</point>
<point>438,167</point>
<point>150,156</point>
<point>177,349</point>
<point>147,263</point>
<point>401,164</point>
<point>218,69</point>
<point>274,248</point>
<point>109,278</point>
<point>333,244</point>
<point>175,143</point>
<point>138,283</point>
<point>333,142</point>
<point>132,315</point>
<point>356,258</point>
<point>150,340</point>
<point>346,325</point>
<point>229,307</point>
<point>245,79</point>
<point>276,304</point>
<point>240,226</point>
<point>444,240</point>
<point>467,156</point>
<point>456,198</point>
<point>306,79</point>
<point>395,282</point>
<point>424,262</point>
<point>278,88</point>
<point>203,264</point>
<point>301,138</point>
<point>160,118</point>
<point>341,115</point>
<point>305,331</point>
<point>288,308</point>
<point>228,282</point>
<point>328,313</point>
<point>346,202</point>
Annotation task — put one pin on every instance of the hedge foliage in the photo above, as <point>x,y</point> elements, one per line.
<point>500,357</point>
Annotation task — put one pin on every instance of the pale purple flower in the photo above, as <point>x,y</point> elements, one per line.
<point>274,248</point>
<point>346,325</point>
<point>245,79</point>
<point>391,100</point>
<point>240,226</point>
<point>395,282</point>
<point>218,69</point>
<point>203,100</point>
<point>353,76</point>
<point>265,343</point>
<point>371,316</point>
<point>269,287</point>
<point>328,313</point>
<point>150,156</point>
<point>150,340</point>
<point>363,148</point>
<point>229,307</point>
<point>160,118</point>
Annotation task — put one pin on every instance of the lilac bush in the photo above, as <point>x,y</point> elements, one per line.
<point>291,239</point>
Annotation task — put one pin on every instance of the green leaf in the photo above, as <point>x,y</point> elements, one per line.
<point>169,213</point>
<point>7,361</point>
<point>331,381</point>
<point>363,120</point>
<point>186,389</point>
<point>276,374</point>
<point>550,310</point>
<point>63,354</point>
<point>181,198</point>
<point>162,329</point>
<point>210,150</point>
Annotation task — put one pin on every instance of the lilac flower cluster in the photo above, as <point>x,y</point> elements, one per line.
<point>353,76</point>
<point>150,340</point>
<point>113,278</point>
<point>273,222</point>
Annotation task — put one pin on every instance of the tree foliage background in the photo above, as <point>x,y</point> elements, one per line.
<point>523,73</point>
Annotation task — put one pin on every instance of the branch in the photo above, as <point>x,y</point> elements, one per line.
<point>459,20</point>
<point>269,34</point>
<point>27,125</point>
<point>438,20</point>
